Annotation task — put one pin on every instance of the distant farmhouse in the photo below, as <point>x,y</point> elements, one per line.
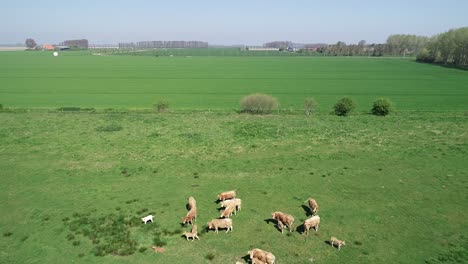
<point>54,47</point>
<point>48,47</point>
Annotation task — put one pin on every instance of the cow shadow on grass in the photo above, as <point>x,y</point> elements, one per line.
<point>300,229</point>
<point>274,222</point>
<point>307,210</point>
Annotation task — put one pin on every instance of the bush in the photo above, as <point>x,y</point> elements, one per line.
<point>258,104</point>
<point>1,107</point>
<point>382,107</point>
<point>161,106</point>
<point>425,56</point>
<point>310,105</point>
<point>344,106</point>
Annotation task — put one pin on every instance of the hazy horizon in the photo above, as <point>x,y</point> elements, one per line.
<point>241,22</point>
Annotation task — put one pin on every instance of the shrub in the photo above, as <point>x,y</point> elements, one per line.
<point>1,107</point>
<point>161,106</point>
<point>310,105</point>
<point>425,56</point>
<point>382,107</point>
<point>258,104</point>
<point>344,106</point>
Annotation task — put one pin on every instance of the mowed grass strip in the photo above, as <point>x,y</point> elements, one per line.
<point>393,188</point>
<point>78,79</point>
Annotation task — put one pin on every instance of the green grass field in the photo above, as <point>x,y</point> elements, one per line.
<point>74,184</point>
<point>37,79</point>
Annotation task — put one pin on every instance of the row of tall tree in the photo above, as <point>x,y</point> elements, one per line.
<point>396,45</point>
<point>163,44</point>
<point>450,48</point>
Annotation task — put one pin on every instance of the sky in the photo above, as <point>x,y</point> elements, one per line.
<point>227,22</point>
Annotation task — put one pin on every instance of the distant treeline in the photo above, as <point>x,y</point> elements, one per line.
<point>449,48</point>
<point>163,44</point>
<point>76,43</point>
<point>396,45</point>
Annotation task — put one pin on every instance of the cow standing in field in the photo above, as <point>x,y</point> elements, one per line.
<point>283,220</point>
<point>336,242</point>
<point>312,222</point>
<point>313,205</point>
<point>236,201</point>
<point>191,216</point>
<point>220,223</point>
<point>229,211</point>
<point>226,195</point>
<point>192,203</point>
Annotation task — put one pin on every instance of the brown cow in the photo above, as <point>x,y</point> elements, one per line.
<point>192,203</point>
<point>220,223</point>
<point>191,215</point>
<point>336,242</point>
<point>283,220</point>
<point>313,205</point>
<point>226,195</point>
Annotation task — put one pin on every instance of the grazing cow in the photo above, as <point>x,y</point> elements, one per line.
<point>226,195</point>
<point>220,223</point>
<point>191,215</point>
<point>283,220</point>
<point>192,234</point>
<point>261,255</point>
<point>236,201</point>
<point>147,218</point>
<point>312,222</point>
<point>228,211</point>
<point>313,205</point>
<point>191,203</point>
<point>336,242</point>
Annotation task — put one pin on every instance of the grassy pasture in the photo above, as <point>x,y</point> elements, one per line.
<point>394,188</point>
<point>37,79</point>
<point>75,183</point>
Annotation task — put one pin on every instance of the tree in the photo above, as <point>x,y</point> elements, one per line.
<point>310,105</point>
<point>30,43</point>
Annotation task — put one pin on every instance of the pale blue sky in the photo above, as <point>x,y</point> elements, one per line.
<point>227,22</point>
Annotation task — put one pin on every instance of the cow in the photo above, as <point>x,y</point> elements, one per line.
<point>283,220</point>
<point>236,201</point>
<point>192,203</point>
<point>312,222</point>
<point>191,215</point>
<point>226,195</point>
<point>313,205</point>
<point>228,211</point>
<point>261,255</point>
<point>220,223</point>
<point>336,242</point>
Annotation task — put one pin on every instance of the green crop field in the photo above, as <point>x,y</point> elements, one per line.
<point>37,79</point>
<point>74,184</point>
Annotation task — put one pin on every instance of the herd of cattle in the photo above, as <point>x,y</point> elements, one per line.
<point>232,205</point>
